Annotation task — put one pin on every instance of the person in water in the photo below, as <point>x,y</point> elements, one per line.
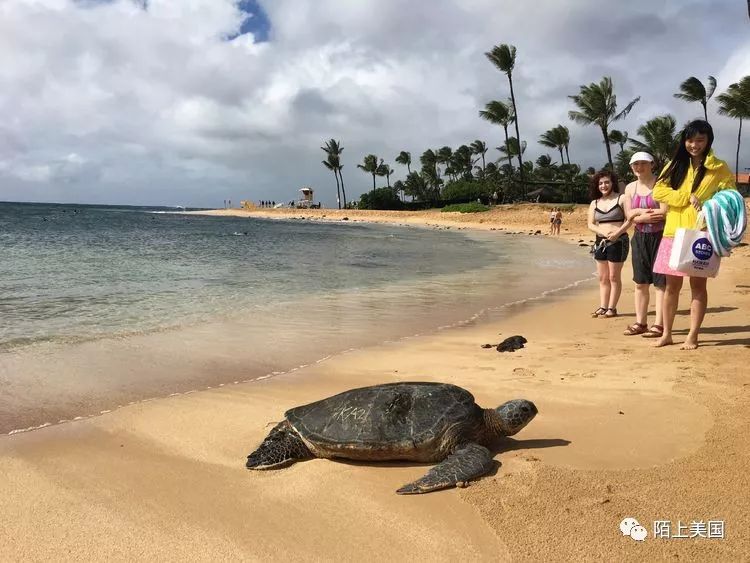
<point>648,217</point>
<point>691,178</point>
<point>606,218</point>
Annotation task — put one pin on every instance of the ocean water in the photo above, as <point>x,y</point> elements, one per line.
<point>103,306</point>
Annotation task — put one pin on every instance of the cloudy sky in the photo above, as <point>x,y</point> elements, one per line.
<point>190,102</point>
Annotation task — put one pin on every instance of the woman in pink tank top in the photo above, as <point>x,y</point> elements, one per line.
<point>648,217</point>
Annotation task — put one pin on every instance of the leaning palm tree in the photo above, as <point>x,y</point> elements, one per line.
<point>404,158</point>
<point>480,148</point>
<point>332,164</point>
<point>597,104</point>
<point>334,149</point>
<point>618,138</point>
<point>370,165</point>
<point>498,113</point>
<point>659,139</point>
<point>564,134</point>
<point>735,103</point>
<point>504,58</point>
<point>693,90</point>
<point>554,139</point>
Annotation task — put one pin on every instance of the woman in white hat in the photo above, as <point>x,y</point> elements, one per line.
<point>648,217</point>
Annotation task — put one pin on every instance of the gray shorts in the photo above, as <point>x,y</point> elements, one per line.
<point>645,247</point>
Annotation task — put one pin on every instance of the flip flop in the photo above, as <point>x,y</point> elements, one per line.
<point>635,329</point>
<point>656,331</point>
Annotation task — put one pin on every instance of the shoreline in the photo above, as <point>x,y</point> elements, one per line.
<point>96,351</point>
<point>623,431</point>
<point>507,218</point>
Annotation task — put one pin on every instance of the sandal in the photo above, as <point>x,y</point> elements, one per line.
<point>611,312</point>
<point>656,331</point>
<point>635,328</point>
<point>599,312</point>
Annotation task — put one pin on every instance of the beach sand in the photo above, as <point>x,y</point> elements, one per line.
<point>624,430</point>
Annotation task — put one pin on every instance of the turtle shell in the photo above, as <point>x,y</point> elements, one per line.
<point>390,421</point>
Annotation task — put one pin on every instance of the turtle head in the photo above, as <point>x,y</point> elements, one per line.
<point>514,415</point>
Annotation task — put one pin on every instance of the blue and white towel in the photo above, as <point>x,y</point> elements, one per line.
<point>726,220</point>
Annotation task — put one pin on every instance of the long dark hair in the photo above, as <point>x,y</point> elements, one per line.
<point>594,192</point>
<point>677,170</point>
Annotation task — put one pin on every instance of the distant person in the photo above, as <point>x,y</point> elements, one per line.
<point>648,216</point>
<point>691,178</point>
<point>606,218</point>
<point>552,215</point>
<point>558,220</point>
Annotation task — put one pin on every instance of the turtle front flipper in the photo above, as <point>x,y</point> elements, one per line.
<point>469,461</point>
<point>282,447</point>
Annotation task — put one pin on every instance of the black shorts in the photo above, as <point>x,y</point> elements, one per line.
<point>612,251</point>
<point>645,248</point>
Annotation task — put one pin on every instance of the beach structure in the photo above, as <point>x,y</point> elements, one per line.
<point>245,204</point>
<point>306,199</point>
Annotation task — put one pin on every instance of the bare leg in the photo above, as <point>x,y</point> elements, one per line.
<point>659,306</point>
<point>671,301</point>
<point>604,289</point>
<point>698,304</point>
<point>615,282</point>
<point>641,303</point>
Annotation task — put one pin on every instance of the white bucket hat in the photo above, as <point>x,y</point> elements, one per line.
<point>641,156</point>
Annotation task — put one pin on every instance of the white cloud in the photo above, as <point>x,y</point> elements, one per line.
<point>106,101</point>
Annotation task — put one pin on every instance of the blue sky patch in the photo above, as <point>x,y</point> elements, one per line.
<point>257,21</point>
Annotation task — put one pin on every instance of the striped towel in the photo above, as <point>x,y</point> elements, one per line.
<point>726,220</point>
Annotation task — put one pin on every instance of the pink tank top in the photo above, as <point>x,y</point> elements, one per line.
<point>646,202</point>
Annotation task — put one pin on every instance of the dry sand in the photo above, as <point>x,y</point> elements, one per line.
<point>623,430</point>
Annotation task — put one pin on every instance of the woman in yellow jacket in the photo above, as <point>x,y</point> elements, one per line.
<point>690,179</point>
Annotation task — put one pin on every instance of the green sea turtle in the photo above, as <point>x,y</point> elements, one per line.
<point>425,422</point>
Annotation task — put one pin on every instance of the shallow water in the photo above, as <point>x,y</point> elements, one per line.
<point>101,306</point>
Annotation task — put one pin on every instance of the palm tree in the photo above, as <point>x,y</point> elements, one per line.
<point>498,113</point>
<point>510,150</point>
<point>444,155</point>
<point>565,138</point>
<point>554,139</point>
<point>370,165</point>
<point>659,139</point>
<point>404,158</point>
<point>693,90</point>
<point>504,58</point>
<point>333,162</point>
<point>598,104</point>
<point>385,170</point>
<point>618,138</point>
<point>462,162</point>
<point>341,177</point>
<point>735,102</point>
<point>479,147</point>
<point>546,169</point>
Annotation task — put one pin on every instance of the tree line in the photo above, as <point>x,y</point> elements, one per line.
<point>464,173</point>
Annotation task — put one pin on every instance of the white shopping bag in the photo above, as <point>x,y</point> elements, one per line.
<point>693,254</point>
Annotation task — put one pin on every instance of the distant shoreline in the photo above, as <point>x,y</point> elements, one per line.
<point>518,219</point>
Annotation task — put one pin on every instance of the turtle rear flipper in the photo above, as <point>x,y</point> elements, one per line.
<point>282,447</point>
<point>467,462</point>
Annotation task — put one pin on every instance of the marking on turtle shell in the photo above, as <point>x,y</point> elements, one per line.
<point>358,414</point>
